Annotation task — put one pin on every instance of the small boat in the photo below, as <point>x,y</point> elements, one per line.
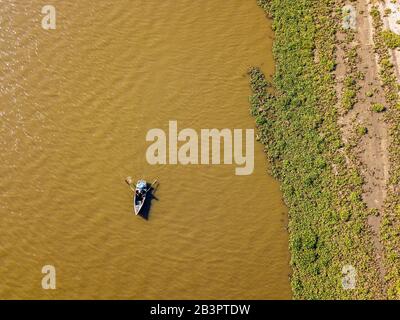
<point>140,195</point>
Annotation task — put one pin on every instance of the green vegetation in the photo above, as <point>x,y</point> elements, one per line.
<point>362,131</point>
<point>350,86</point>
<point>297,122</point>
<point>392,40</point>
<point>349,93</point>
<point>378,107</point>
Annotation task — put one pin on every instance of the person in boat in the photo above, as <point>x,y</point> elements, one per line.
<point>141,189</point>
<point>140,193</point>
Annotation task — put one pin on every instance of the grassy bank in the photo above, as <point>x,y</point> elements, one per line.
<point>297,120</point>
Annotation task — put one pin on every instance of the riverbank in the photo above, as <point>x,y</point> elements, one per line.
<point>319,151</point>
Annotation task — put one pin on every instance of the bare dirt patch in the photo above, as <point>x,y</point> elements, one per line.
<point>370,147</point>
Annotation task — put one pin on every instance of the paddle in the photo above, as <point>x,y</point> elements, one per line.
<point>128,180</point>
<point>150,186</point>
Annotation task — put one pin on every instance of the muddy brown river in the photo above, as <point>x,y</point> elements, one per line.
<point>75,106</point>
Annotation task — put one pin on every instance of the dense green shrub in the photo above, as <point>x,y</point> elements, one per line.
<point>391,39</point>
<point>378,107</point>
<point>361,131</point>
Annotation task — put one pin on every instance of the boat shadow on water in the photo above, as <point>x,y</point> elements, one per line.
<point>145,210</point>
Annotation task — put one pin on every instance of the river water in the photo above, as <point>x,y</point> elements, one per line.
<point>75,106</point>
